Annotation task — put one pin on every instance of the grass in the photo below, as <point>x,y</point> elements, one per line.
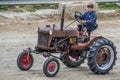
<point>108,6</point>
<point>5,7</point>
<point>34,7</point>
<point>30,8</point>
<point>40,6</point>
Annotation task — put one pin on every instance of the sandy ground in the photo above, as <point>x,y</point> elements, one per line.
<point>16,35</point>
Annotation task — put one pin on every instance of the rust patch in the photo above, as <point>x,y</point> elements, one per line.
<point>102,56</point>
<point>46,48</point>
<point>85,46</point>
<point>81,46</point>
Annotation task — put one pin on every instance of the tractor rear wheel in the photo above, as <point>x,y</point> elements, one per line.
<point>102,56</point>
<point>72,60</point>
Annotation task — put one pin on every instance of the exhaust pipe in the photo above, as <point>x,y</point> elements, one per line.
<point>62,18</point>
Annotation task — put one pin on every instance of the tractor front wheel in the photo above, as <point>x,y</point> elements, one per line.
<point>24,61</point>
<point>102,56</point>
<point>51,67</point>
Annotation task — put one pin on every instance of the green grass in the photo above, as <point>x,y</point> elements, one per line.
<point>108,6</point>
<point>34,7</point>
<point>30,8</point>
<point>40,6</point>
<point>5,7</point>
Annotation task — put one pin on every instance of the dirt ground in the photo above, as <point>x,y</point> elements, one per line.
<point>16,35</point>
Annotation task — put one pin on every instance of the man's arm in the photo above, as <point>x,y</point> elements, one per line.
<point>92,19</point>
<point>81,17</point>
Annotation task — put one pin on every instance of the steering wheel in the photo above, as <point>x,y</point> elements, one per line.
<point>77,13</point>
<point>76,18</point>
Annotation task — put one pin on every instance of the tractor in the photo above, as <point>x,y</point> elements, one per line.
<point>66,41</point>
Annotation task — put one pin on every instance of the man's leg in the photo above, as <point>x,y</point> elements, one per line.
<point>85,34</point>
<point>82,32</point>
<point>78,28</point>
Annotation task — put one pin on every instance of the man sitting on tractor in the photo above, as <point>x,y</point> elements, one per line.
<point>88,20</point>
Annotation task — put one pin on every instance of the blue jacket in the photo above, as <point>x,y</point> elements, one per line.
<point>90,20</point>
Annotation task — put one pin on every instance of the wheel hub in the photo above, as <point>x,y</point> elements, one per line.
<point>103,56</point>
<point>25,62</point>
<point>51,66</point>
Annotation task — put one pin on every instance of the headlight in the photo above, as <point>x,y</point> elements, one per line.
<point>50,32</point>
<point>37,28</point>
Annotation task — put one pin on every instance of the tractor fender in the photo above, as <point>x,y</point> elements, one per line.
<point>85,46</point>
<point>90,43</point>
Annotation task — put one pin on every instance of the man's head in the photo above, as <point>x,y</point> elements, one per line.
<point>90,7</point>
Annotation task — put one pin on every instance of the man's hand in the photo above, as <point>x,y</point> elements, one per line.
<point>83,21</point>
<point>76,16</point>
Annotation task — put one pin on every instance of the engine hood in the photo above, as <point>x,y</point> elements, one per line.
<point>59,33</point>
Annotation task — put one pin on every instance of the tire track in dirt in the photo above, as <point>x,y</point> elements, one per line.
<point>12,42</point>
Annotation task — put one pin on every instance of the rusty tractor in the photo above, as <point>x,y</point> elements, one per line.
<point>99,51</point>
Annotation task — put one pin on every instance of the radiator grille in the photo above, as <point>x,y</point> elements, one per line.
<point>43,39</point>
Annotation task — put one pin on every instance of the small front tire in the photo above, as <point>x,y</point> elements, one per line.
<point>23,62</point>
<point>51,67</point>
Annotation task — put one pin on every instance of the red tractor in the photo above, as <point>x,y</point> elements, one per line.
<point>99,51</point>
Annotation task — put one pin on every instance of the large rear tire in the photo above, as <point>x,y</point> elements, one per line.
<point>102,56</point>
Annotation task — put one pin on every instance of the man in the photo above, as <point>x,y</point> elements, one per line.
<point>88,20</point>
